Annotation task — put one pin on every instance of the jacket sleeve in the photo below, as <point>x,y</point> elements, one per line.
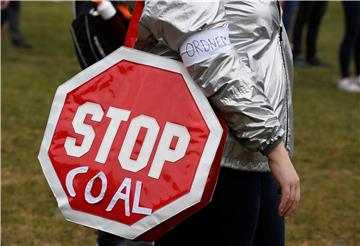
<point>230,85</point>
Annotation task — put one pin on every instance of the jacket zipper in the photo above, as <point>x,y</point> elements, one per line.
<point>286,76</point>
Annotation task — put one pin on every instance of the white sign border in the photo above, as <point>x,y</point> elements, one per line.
<point>159,216</point>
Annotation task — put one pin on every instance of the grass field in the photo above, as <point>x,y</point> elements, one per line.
<point>327,124</point>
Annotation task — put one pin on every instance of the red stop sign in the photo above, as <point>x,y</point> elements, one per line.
<point>130,143</point>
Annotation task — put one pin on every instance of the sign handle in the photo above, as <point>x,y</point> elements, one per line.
<point>131,35</point>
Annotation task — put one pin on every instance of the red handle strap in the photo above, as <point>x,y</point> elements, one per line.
<point>131,35</point>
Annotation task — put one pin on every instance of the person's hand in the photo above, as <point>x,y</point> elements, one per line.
<point>285,174</point>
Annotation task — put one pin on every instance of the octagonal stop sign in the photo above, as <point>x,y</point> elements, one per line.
<point>132,146</point>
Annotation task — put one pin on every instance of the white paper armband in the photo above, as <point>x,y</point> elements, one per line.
<point>205,44</point>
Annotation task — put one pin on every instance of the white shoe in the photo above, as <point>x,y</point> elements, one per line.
<point>349,85</point>
<point>357,80</point>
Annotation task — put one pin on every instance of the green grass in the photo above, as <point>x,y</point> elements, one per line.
<point>29,80</point>
<point>327,140</point>
<point>327,124</point>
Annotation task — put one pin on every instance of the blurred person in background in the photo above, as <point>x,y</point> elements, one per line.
<point>350,46</point>
<point>309,15</point>
<point>10,12</point>
<point>98,28</point>
<point>289,7</point>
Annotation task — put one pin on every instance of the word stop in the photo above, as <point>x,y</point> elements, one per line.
<point>163,152</point>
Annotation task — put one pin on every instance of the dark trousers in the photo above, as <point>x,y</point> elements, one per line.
<point>289,9</point>
<point>310,14</point>
<point>350,44</point>
<point>243,212</point>
<point>12,15</point>
<point>107,239</point>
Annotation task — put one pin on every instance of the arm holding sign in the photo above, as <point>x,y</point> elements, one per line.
<point>226,80</point>
<point>202,39</point>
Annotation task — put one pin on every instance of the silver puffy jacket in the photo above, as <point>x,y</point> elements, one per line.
<point>249,81</point>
